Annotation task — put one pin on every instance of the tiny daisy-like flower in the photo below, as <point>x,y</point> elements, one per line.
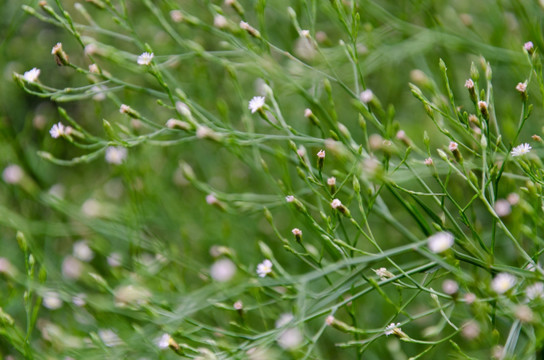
<point>367,96</point>
<point>289,198</point>
<point>392,329</point>
<point>331,181</point>
<point>297,232</point>
<point>164,341</point>
<point>220,21</point>
<point>31,75</point>
<point>383,273</point>
<point>308,113</point>
<point>211,199</point>
<point>256,104</point>
<point>264,268</point>
<point>521,149</point>
<point>336,203</point>
<point>428,161</point>
<point>329,320</point>
<point>145,58</point>
<point>440,242</point>
<point>535,291</point>
<point>521,87</point>
<point>453,146</point>
<point>528,46</point>
<point>450,286</point>
<point>223,270</point>
<point>116,154</point>
<point>469,84</point>
<point>502,207</point>
<point>93,68</point>
<point>238,305</point>
<point>13,174</point>
<point>503,282</point>
<point>57,130</point>
<point>321,154</point>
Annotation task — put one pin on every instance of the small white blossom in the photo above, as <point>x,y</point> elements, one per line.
<point>428,161</point>
<point>450,287</point>
<point>535,291</point>
<point>367,96</point>
<point>238,305</point>
<point>264,268</point>
<point>297,232</point>
<point>116,154</point>
<point>115,259</point>
<point>109,338</point>
<point>329,320</point>
<point>164,341</point>
<point>521,149</point>
<point>453,146</point>
<point>383,273</point>
<point>82,251</point>
<point>503,282</point>
<point>256,103</point>
<point>331,181</point>
<point>521,87</point>
<point>219,21</point>
<point>290,339</point>
<point>284,319</point>
<point>289,198</point>
<point>528,46</point>
<point>211,199</point>
<point>145,58</point>
<point>71,268</point>
<point>93,68</point>
<point>222,270</point>
<point>335,204</point>
<point>502,207</point>
<point>392,329</point>
<point>32,75</point>
<point>440,242</point>
<point>321,154</point>
<point>52,301</point>
<point>469,84</point>
<point>176,16</point>
<point>13,174</point>
<point>308,113</point>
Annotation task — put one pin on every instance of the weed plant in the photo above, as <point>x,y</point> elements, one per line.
<point>273,180</point>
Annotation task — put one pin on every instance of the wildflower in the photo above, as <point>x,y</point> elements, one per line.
<point>529,47</point>
<point>471,330</point>
<point>305,33</point>
<point>335,204</point>
<point>256,104</point>
<point>82,251</point>
<point>71,268</point>
<point>394,329</point>
<point>290,339</point>
<point>450,287</point>
<point>116,155</point>
<point>145,58</point>
<point>502,207</point>
<point>164,341</point>
<point>130,295</point>
<point>60,56</point>
<point>250,29</point>
<point>298,234</point>
<point>535,291</point>
<point>453,146</point>
<point>469,84</point>
<point>521,149</point>
<point>503,282</point>
<point>109,338</point>
<point>329,320</point>
<point>428,161</point>
<point>223,270</point>
<point>219,21</point>
<point>238,305</point>
<point>79,300</point>
<point>521,87</point>
<point>513,198</point>
<point>440,242</point>
<point>93,68</point>
<point>482,105</point>
<point>114,259</point>
<point>524,313</point>
<point>13,174</point>
<point>176,16</point>
<point>31,75</point>
<point>264,268</point>
<point>284,319</point>
<point>470,298</point>
<point>321,154</point>
<point>332,183</point>
<point>367,96</point>
<point>92,208</point>
<point>383,273</point>
<point>52,301</point>
<point>308,113</point>
<point>289,198</point>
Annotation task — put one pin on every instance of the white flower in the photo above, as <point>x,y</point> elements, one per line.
<point>264,268</point>
<point>176,16</point>
<point>211,199</point>
<point>32,75</point>
<point>335,204</point>
<point>503,282</point>
<point>450,286</point>
<point>331,181</point>
<point>521,87</point>
<point>284,319</point>
<point>392,329</point>
<point>52,301</point>
<point>502,207</point>
<point>528,46</point>
<point>535,291</point>
<point>164,341</point>
<point>256,103</point>
<point>383,273</point>
<point>71,268</point>
<point>115,259</point>
<point>329,320</point>
<point>145,58</point>
<point>440,242</point>
<point>469,84</point>
<point>521,149</point>
<point>93,68</point>
<point>82,251</point>
<point>321,154</point>
<point>297,232</point>
<point>238,305</point>
<point>223,270</point>
<point>290,339</point>
<point>109,338</point>
<point>289,198</point>
<point>220,21</point>
<point>116,154</point>
<point>428,161</point>
<point>453,146</point>
<point>367,96</point>
<point>13,174</point>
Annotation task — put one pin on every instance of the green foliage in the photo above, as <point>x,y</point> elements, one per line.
<point>271,179</point>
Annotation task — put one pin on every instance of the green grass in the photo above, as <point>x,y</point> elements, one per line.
<point>138,232</point>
